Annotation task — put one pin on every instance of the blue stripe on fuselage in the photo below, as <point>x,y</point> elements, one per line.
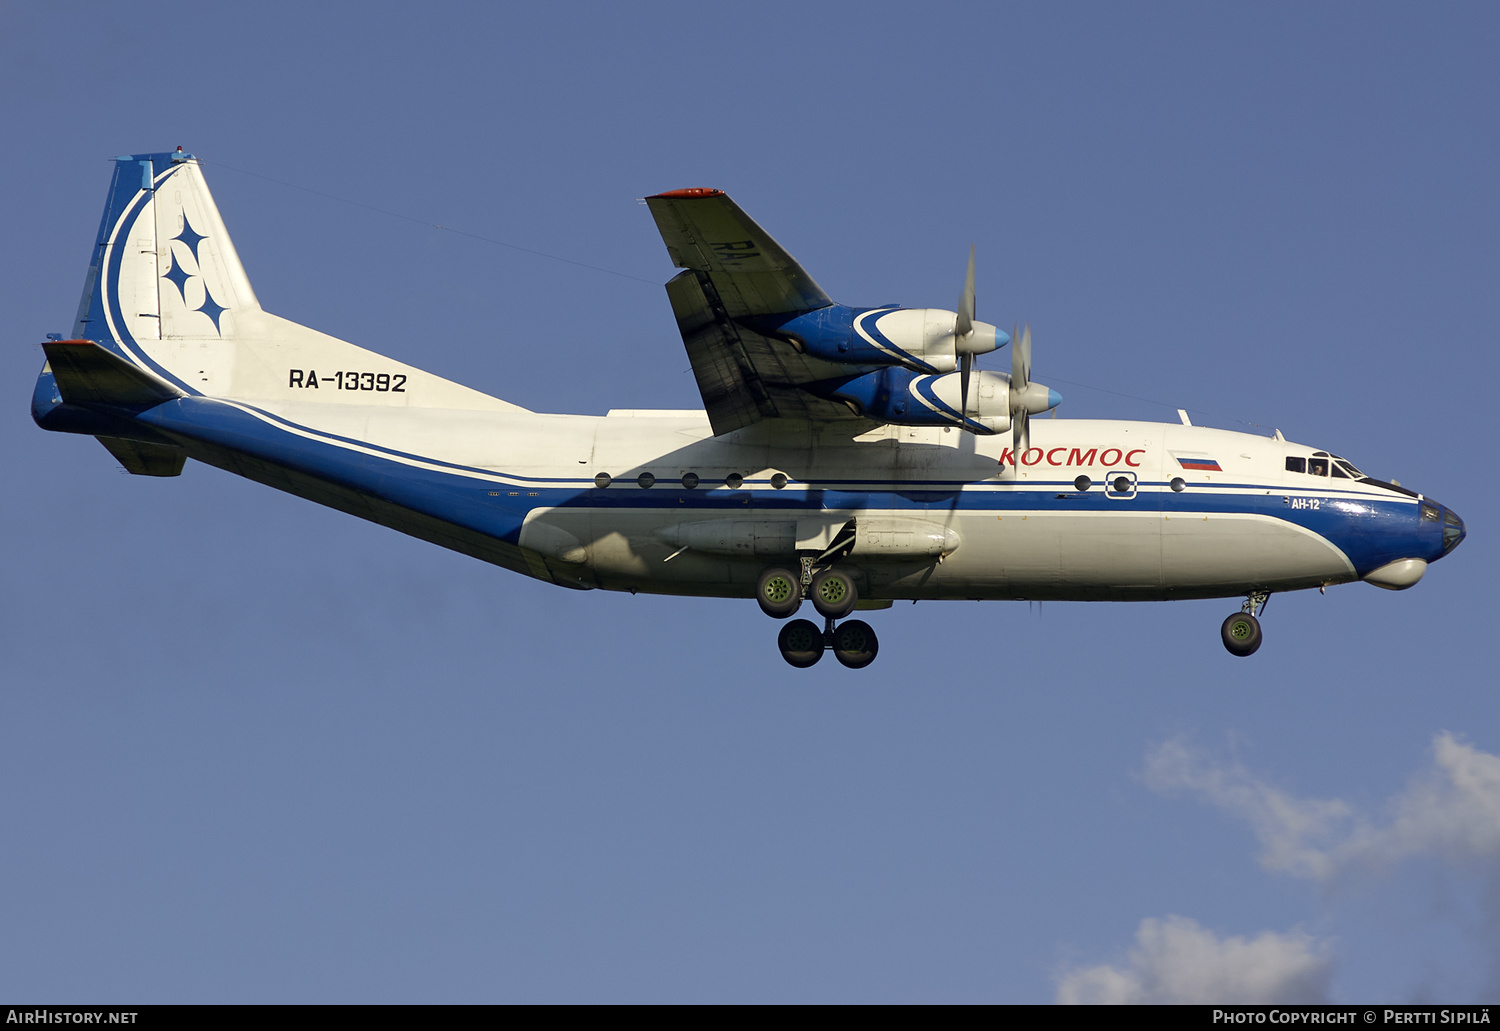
<point>1370,531</point>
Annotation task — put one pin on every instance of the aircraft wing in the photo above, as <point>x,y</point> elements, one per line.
<point>707,232</point>
<point>735,272</point>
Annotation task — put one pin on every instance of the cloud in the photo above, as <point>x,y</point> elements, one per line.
<point>1293,832</point>
<point>1450,811</point>
<point>1177,961</point>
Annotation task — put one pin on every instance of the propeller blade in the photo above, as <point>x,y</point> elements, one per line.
<point>1020,361</point>
<point>963,383</point>
<point>964,324</point>
<point>1020,379</point>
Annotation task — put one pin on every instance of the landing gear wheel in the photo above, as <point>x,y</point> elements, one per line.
<point>801,643</point>
<point>855,644</point>
<point>1241,633</point>
<point>833,594</point>
<point>779,592</point>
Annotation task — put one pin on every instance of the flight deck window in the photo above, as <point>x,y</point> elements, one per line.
<point>1296,465</point>
<point>1338,470</point>
<point>1430,513</point>
<point>1348,467</point>
<point>1317,466</point>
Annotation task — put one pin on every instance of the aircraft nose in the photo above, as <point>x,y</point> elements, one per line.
<point>1453,530</point>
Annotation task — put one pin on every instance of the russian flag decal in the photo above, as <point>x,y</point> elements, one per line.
<point>1198,462</point>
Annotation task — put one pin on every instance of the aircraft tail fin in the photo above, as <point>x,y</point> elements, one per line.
<point>167,294</point>
<point>163,266</point>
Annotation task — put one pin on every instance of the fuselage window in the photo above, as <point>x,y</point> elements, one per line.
<point>1317,466</point>
<point>1296,465</point>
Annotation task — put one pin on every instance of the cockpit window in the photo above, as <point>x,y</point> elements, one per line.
<point>1430,513</point>
<point>1317,466</point>
<point>1348,467</point>
<point>1296,465</point>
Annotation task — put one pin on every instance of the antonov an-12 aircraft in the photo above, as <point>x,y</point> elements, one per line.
<point>847,457</point>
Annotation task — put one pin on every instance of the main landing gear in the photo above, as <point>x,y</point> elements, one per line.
<point>780,593</point>
<point>1241,631</point>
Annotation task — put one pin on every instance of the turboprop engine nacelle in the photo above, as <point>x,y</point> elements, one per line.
<point>920,339</point>
<point>909,399</point>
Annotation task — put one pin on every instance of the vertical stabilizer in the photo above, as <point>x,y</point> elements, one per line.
<point>166,292</point>
<point>163,267</point>
<point>203,288</point>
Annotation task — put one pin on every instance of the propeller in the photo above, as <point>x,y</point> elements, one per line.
<point>1020,380</point>
<point>970,338</point>
<point>963,325</point>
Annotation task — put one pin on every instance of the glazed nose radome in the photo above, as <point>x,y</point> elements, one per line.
<point>1453,530</point>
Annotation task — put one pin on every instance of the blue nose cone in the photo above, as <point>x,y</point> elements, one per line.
<point>1053,398</point>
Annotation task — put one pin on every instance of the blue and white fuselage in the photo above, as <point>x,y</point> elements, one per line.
<point>656,501</point>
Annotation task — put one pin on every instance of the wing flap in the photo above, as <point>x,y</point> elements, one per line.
<point>743,376</point>
<point>733,393</point>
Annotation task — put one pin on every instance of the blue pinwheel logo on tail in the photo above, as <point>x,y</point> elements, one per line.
<point>180,276</point>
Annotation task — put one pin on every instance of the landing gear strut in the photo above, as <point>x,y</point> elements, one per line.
<point>1241,631</point>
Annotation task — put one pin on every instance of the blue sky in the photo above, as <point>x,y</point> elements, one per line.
<point>259,751</point>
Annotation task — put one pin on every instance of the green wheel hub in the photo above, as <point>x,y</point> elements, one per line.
<point>778,589</point>
<point>801,639</point>
<point>832,590</point>
<point>853,639</point>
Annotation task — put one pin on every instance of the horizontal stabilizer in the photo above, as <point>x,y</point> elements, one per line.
<point>88,374</point>
<point>142,459</point>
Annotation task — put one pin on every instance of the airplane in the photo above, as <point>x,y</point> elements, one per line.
<point>844,456</point>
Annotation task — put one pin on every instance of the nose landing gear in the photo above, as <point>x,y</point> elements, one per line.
<point>1241,631</point>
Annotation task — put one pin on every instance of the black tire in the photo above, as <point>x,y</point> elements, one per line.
<point>855,643</point>
<point>779,592</point>
<point>833,593</point>
<point>1241,633</point>
<point>801,643</point>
